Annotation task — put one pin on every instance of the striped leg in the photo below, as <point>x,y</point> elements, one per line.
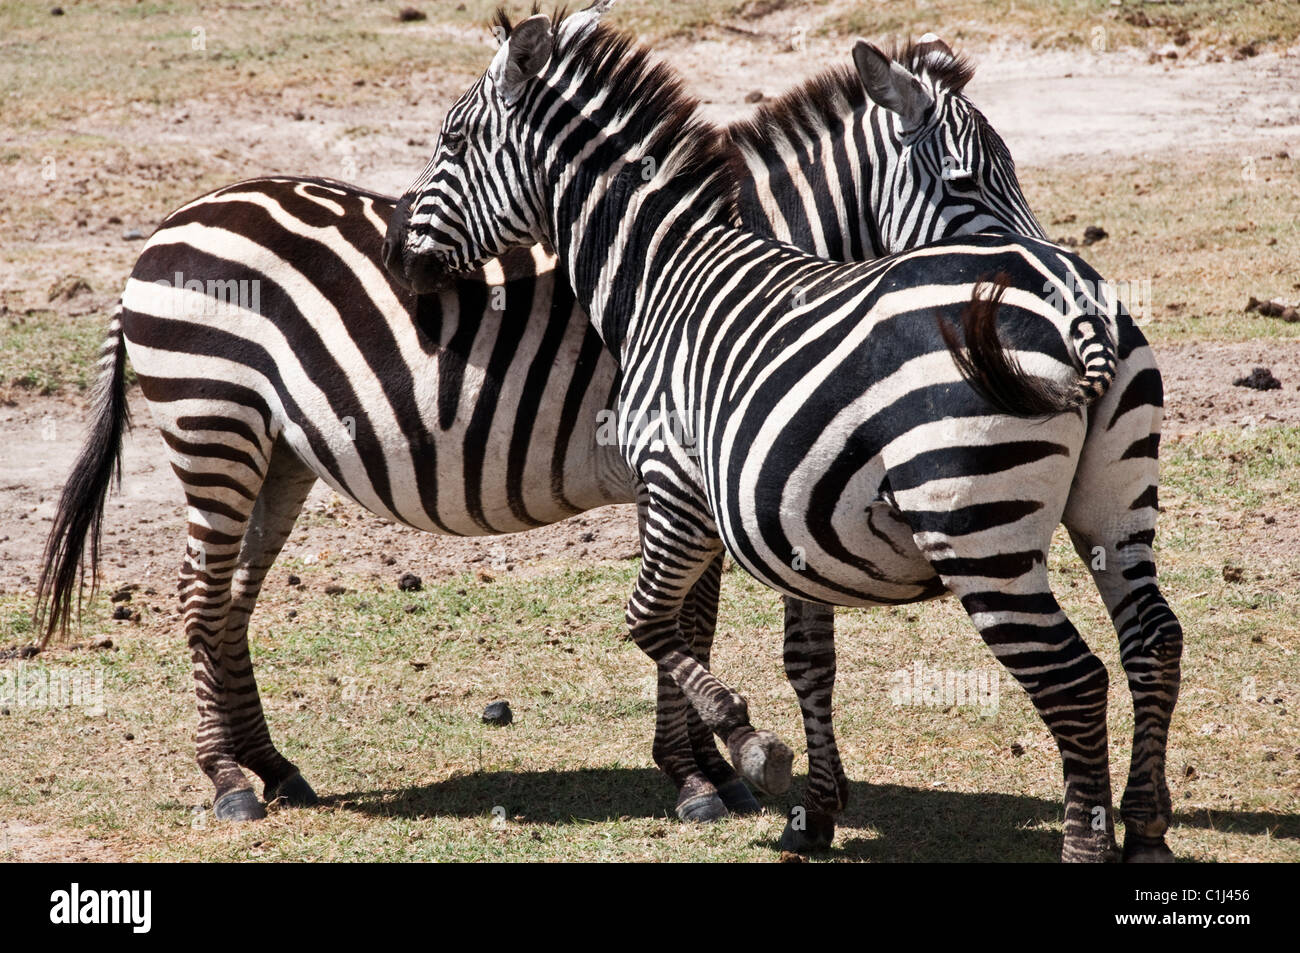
<point>677,549</point>
<point>224,467</point>
<point>1112,517</point>
<point>699,623</point>
<point>287,483</point>
<point>810,666</point>
<point>987,541</point>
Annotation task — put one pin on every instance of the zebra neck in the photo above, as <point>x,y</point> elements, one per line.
<point>613,220</point>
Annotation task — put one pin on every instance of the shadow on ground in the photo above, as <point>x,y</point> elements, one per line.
<point>884,822</point>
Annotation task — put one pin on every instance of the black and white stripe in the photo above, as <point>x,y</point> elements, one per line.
<point>830,414</point>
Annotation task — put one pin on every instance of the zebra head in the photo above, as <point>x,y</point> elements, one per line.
<point>478,196</point>
<point>950,172</point>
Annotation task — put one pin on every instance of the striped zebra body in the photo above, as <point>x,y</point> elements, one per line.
<point>404,405</point>
<point>832,432</point>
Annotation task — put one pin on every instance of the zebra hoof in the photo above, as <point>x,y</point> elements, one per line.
<point>239,806</point>
<point>738,797</point>
<point>294,791</point>
<point>1143,850</point>
<point>702,809</point>
<point>765,761</point>
<point>807,832</point>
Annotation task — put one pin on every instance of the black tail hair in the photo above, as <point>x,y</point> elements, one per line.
<point>994,371</point>
<point>81,507</point>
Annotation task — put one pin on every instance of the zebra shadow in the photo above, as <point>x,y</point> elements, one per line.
<point>886,823</point>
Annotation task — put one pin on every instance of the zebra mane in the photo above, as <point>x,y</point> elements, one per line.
<point>655,107</point>
<point>825,100</point>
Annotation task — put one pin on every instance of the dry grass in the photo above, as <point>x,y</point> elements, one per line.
<point>380,707</point>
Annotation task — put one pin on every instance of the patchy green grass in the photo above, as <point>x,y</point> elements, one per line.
<point>46,351</point>
<point>1207,232</point>
<point>377,694</point>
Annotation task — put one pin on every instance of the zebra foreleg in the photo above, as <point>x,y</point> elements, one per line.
<point>673,558</point>
<point>699,623</point>
<point>809,655</point>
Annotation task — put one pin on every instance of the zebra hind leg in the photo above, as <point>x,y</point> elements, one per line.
<point>810,666</point>
<point>1111,516</point>
<point>287,483</point>
<point>1004,587</point>
<point>223,497</point>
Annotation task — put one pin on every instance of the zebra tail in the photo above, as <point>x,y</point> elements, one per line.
<point>80,513</point>
<point>996,374</point>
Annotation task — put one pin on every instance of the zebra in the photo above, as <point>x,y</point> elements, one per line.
<point>308,240</point>
<point>851,434</point>
<point>808,644</point>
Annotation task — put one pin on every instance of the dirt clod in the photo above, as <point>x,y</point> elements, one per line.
<point>1093,234</point>
<point>1261,378</point>
<point>295,581</point>
<point>121,613</point>
<point>335,590</point>
<point>790,857</point>
<point>411,15</point>
<point>1232,574</point>
<point>755,97</point>
<point>410,582</point>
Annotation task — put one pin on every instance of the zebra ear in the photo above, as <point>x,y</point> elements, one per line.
<point>890,85</point>
<point>523,56</point>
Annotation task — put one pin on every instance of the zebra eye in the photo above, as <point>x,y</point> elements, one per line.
<point>453,139</point>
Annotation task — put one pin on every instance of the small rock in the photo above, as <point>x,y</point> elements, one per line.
<point>498,713</point>
<point>588,537</point>
<point>298,115</point>
<point>1093,234</point>
<point>411,15</point>
<point>1017,749</point>
<point>122,595</point>
<point>410,582</point>
<point>295,581</point>
<point>755,97</point>
<point>101,642</point>
<point>56,11</point>
<point>114,220</point>
<point>1246,51</point>
<point>1232,574</point>
<point>129,737</point>
<point>133,235</point>
<point>1261,378</point>
<point>789,857</point>
<point>335,590</point>
<point>122,612</point>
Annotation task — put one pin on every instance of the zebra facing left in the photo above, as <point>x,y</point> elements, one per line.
<point>832,412</point>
